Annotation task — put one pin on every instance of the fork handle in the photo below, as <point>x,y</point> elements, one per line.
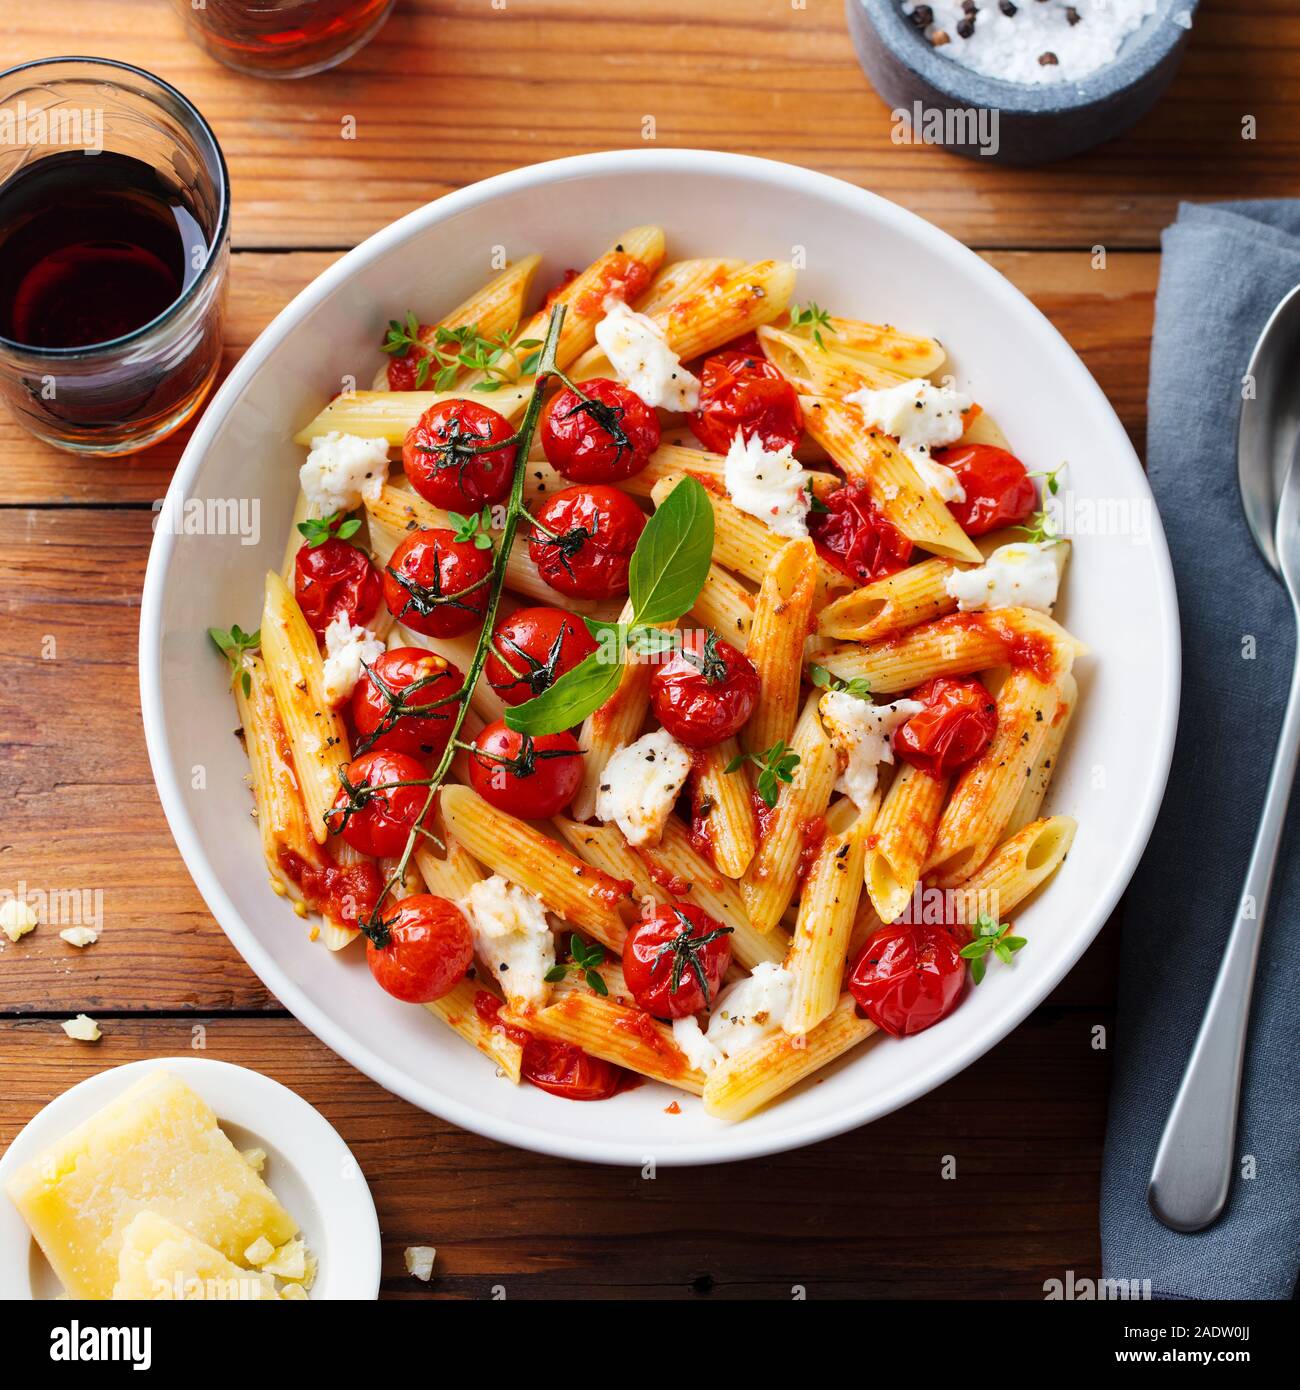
<point>1193,1167</point>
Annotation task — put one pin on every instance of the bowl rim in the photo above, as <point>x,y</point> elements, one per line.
<point>1136,60</point>
<point>736,1142</point>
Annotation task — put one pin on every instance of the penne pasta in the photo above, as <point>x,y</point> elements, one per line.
<point>886,606</point>
<point>1036,784</point>
<point>723,810</point>
<point>1020,865</point>
<point>901,838</point>
<point>781,621</point>
<point>570,888</point>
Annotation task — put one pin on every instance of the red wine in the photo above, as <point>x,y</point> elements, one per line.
<point>92,247</point>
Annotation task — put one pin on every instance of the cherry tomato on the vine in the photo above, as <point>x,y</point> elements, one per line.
<point>436,584</point>
<point>373,814</point>
<point>583,540</point>
<point>440,458</point>
<point>389,697</point>
<point>955,727</point>
<point>427,948</point>
<point>744,391</point>
<point>674,960</point>
<point>705,692</point>
<point>907,977</point>
<point>332,578</point>
<point>853,535</point>
<point>531,777</point>
<point>998,490</point>
<point>532,648</point>
<point>606,437</point>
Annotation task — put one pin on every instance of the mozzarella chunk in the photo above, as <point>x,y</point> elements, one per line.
<point>346,647</point>
<point>82,1028</point>
<point>921,416</point>
<point>1024,574</point>
<point>744,1013</point>
<point>642,360</point>
<point>861,732</point>
<point>770,485</point>
<point>512,937</point>
<point>640,785</point>
<point>16,918</point>
<point>343,470</point>
<point>419,1261</point>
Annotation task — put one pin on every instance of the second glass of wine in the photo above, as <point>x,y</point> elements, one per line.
<point>283,38</point>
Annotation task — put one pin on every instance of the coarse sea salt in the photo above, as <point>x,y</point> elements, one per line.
<point>1032,41</point>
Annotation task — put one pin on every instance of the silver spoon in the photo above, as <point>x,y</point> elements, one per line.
<point>1194,1163</point>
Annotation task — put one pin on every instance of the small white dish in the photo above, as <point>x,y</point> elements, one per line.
<point>861,255</point>
<point>308,1167</point>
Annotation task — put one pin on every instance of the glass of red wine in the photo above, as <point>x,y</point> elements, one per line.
<point>283,38</point>
<point>114,248</point>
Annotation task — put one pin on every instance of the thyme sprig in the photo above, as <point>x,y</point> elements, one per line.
<point>988,934</point>
<point>522,440</point>
<point>775,766</point>
<point>454,349</point>
<point>587,960</point>
<point>234,646</point>
<point>317,530</point>
<point>812,318</point>
<point>826,680</point>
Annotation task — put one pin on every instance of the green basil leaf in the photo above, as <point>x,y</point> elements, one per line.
<point>570,700</point>
<point>671,560</point>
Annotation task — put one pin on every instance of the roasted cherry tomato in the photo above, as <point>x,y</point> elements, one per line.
<point>530,777</point>
<point>583,540</point>
<point>744,391</point>
<point>403,680</point>
<point>436,584</point>
<point>705,692</point>
<point>427,948</point>
<point>957,724</point>
<point>568,1071</point>
<point>332,578</point>
<point>674,960</point>
<point>998,490</point>
<point>853,535</point>
<point>606,437</point>
<point>404,368</point>
<point>376,816</point>
<point>440,459</point>
<point>532,649</point>
<point>907,977</point>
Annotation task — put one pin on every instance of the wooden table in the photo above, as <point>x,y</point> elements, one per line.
<point>454,90</point>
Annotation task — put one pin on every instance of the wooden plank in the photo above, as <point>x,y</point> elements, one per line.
<point>867,1215</point>
<point>1104,313</point>
<point>455,90</point>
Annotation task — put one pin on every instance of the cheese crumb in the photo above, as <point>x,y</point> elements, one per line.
<point>346,648</point>
<point>80,936</point>
<point>1023,574</point>
<point>81,1028</point>
<point>861,732</point>
<point>640,784</point>
<point>16,918</point>
<point>639,353</point>
<point>920,415</point>
<point>289,1261</point>
<point>770,485</point>
<point>260,1251</point>
<point>255,1158</point>
<point>511,937</point>
<point>294,1293</point>
<point>419,1260</point>
<point>342,471</point>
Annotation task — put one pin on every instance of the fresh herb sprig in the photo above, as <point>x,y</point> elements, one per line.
<point>811,318</point>
<point>775,766</point>
<point>1042,527</point>
<point>989,935</point>
<point>457,349</point>
<point>317,530</point>
<point>665,576</point>
<point>825,680</point>
<point>475,529</point>
<point>586,959</point>
<point>234,646</point>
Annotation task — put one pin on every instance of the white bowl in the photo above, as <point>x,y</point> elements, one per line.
<point>862,256</point>
<point>308,1167</point>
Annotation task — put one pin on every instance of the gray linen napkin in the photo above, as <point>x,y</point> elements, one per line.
<point>1225,267</point>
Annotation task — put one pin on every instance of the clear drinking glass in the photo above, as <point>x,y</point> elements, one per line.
<point>283,38</point>
<point>114,250</point>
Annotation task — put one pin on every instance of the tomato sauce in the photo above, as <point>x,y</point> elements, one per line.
<point>621,276</point>
<point>346,895</point>
<point>642,1027</point>
<point>670,882</point>
<point>813,834</point>
<point>763,814</point>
